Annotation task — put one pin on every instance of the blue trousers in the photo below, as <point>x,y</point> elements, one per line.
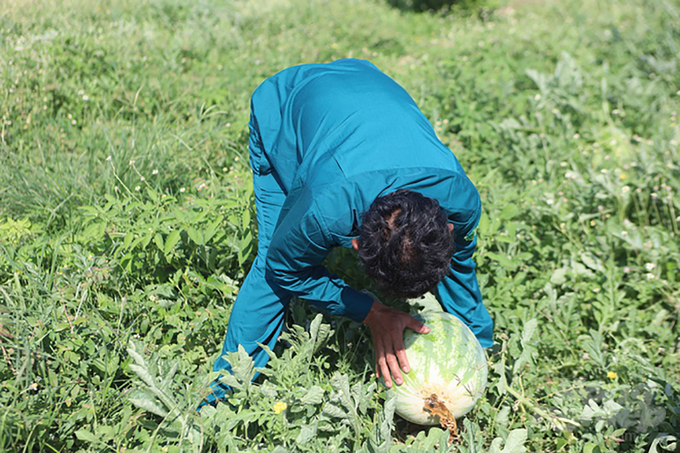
<point>257,316</point>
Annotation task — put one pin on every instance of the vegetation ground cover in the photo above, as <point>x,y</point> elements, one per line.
<point>126,223</point>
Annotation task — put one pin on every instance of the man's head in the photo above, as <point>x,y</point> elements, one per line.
<point>405,243</point>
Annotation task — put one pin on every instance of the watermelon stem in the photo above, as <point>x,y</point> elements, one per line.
<point>438,409</point>
<point>559,422</point>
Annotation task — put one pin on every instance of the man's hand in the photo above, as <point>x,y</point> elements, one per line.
<point>387,328</point>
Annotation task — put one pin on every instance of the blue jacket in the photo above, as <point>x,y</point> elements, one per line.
<point>340,135</point>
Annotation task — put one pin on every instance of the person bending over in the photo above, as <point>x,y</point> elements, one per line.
<point>342,157</point>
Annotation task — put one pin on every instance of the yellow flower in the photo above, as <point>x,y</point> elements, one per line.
<point>279,407</point>
<point>612,375</point>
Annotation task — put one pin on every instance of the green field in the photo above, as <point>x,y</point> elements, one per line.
<point>127,223</point>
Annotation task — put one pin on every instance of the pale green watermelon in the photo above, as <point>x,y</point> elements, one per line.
<point>448,362</point>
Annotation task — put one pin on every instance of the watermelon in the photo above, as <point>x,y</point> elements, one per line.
<point>448,365</point>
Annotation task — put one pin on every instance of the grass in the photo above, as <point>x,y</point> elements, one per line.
<point>126,222</point>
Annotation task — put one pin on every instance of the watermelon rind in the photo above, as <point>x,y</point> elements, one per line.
<point>448,362</point>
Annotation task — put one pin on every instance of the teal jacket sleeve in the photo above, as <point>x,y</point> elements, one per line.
<point>459,291</point>
<point>298,247</point>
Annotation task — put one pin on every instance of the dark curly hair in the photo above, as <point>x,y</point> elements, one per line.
<point>405,244</point>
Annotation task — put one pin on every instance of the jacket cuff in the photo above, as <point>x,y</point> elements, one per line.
<point>357,304</point>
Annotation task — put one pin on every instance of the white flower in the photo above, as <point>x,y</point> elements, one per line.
<point>109,159</point>
<point>537,97</point>
<point>155,171</point>
<point>625,189</point>
<point>550,201</point>
<point>132,162</point>
<point>182,189</point>
<point>86,97</point>
<point>650,266</point>
<point>142,178</point>
<point>650,276</point>
<point>137,188</point>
